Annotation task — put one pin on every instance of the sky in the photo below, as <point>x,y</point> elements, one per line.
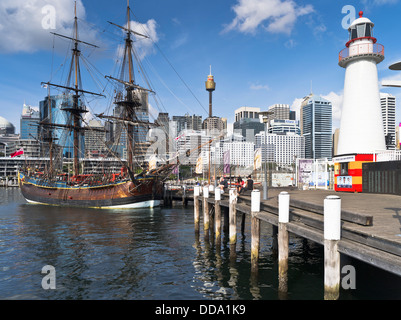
<point>261,52</point>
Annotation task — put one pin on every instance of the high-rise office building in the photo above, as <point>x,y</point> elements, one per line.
<point>162,120</point>
<point>279,112</point>
<point>387,102</point>
<point>284,126</point>
<point>316,127</point>
<point>247,118</point>
<point>190,144</point>
<point>29,123</point>
<point>95,140</point>
<point>188,122</point>
<point>282,149</point>
<point>241,153</point>
<point>53,110</point>
<point>215,124</point>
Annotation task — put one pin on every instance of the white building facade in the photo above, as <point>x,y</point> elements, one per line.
<point>279,148</point>
<point>387,102</point>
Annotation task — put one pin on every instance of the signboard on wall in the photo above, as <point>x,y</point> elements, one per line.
<point>305,169</point>
<point>344,182</point>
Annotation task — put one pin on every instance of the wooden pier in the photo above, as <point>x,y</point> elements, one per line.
<point>368,226</point>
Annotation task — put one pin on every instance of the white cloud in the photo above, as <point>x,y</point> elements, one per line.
<point>153,112</point>
<point>181,40</point>
<point>319,30</point>
<point>145,46</point>
<point>337,103</point>
<point>296,106</point>
<point>176,21</point>
<point>25,26</point>
<point>290,43</point>
<point>259,87</point>
<point>142,46</point>
<point>378,2</point>
<point>275,16</point>
<point>395,77</point>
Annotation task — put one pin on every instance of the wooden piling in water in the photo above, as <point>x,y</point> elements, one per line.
<point>274,247</point>
<point>282,235</point>
<point>255,230</point>
<point>217,216</point>
<point>243,218</point>
<point>206,223</point>
<point>233,216</point>
<point>164,194</point>
<point>196,208</point>
<point>184,195</point>
<point>225,212</point>
<point>332,234</point>
<point>211,214</point>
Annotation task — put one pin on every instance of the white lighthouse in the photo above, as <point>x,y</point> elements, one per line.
<point>361,129</point>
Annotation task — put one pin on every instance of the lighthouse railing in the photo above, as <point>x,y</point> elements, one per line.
<point>361,49</point>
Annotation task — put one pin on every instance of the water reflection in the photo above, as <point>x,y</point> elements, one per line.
<point>223,270</point>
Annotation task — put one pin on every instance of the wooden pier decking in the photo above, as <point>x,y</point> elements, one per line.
<point>370,223</point>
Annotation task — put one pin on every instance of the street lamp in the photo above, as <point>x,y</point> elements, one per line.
<point>265,117</point>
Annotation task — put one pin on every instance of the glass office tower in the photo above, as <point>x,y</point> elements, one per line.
<point>316,127</point>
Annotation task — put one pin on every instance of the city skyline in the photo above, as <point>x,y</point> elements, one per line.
<point>278,54</point>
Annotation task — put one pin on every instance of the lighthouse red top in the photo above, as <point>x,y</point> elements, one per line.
<point>361,42</point>
<point>359,29</point>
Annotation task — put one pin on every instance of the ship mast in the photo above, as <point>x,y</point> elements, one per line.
<point>131,102</point>
<point>129,106</point>
<point>76,110</point>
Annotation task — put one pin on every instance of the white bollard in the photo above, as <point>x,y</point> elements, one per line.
<point>217,194</point>
<point>206,192</point>
<point>332,218</point>
<point>283,207</point>
<point>255,201</point>
<point>196,191</point>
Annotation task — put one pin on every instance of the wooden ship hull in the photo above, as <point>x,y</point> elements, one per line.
<point>146,193</point>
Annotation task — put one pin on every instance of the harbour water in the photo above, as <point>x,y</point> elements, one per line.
<point>153,255</point>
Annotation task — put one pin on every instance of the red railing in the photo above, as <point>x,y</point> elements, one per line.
<point>360,49</point>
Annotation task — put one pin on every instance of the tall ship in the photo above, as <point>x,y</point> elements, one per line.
<point>130,182</point>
